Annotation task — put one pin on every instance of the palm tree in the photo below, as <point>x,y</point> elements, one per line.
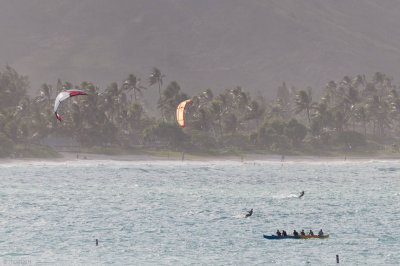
<point>304,103</point>
<point>202,119</point>
<point>383,117</point>
<point>13,87</point>
<point>171,97</point>
<point>361,115</point>
<point>323,115</point>
<point>135,114</point>
<point>349,97</point>
<point>352,95</point>
<point>378,78</point>
<point>340,120</point>
<point>239,99</point>
<point>111,100</point>
<point>46,91</point>
<point>357,81</point>
<point>331,91</point>
<point>283,93</point>
<point>277,109</point>
<point>231,123</point>
<point>122,102</point>
<point>208,94</point>
<point>156,77</point>
<point>379,111</point>
<point>254,111</point>
<point>132,83</point>
<point>217,110</point>
<point>76,116</point>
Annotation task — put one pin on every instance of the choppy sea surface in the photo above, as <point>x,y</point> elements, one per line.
<point>191,213</point>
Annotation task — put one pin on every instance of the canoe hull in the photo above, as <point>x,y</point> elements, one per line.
<point>306,237</point>
<point>294,237</point>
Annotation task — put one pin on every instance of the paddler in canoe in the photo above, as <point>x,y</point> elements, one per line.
<point>296,235</point>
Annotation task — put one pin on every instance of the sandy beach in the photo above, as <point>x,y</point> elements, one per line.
<point>69,156</point>
<point>244,157</point>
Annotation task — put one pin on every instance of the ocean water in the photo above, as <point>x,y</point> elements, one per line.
<point>191,213</point>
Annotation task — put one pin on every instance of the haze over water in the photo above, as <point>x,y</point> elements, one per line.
<point>174,213</point>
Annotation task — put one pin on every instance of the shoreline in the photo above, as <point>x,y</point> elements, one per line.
<point>69,156</point>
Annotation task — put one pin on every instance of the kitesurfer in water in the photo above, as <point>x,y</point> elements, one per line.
<point>249,213</point>
<point>301,194</point>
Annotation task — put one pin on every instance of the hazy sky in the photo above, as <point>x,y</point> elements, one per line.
<point>255,44</point>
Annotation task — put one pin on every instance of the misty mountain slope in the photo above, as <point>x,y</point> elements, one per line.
<point>201,44</point>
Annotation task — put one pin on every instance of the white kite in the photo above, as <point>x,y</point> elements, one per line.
<point>62,96</point>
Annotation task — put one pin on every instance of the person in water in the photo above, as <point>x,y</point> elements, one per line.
<point>278,233</point>
<point>311,233</point>
<point>284,233</point>
<point>302,233</point>
<point>320,233</point>
<point>295,233</point>
<point>250,213</point>
<point>301,194</point>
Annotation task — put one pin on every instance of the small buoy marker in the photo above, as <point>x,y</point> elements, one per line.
<point>97,243</point>
<point>337,258</point>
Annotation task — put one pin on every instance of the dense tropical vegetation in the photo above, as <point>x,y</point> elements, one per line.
<point>353,115</point>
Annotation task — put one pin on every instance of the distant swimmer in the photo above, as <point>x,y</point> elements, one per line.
<point>301,194</point>
<point>249,213</point>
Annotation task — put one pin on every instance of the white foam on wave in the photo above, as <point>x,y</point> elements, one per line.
<point>239,216</point>
<point>285,196</point>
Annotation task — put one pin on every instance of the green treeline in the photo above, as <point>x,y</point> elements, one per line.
<point>353,115</point>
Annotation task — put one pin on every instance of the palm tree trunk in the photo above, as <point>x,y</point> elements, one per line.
<point>220,128</point>
<point>374,123</point>
<point>161,107</point>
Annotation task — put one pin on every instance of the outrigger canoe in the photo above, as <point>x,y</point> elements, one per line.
<point>294,237</point>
